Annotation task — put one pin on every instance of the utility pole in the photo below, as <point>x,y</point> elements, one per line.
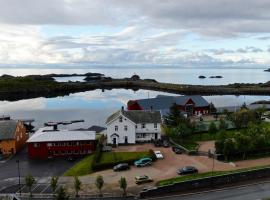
<point>19,174</point>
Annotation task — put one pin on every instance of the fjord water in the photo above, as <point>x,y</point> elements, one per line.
<point>95,106</point>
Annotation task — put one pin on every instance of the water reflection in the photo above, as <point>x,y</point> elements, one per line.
<point>95,106</point>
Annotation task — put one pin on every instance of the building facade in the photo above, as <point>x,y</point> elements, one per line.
<point>13,136</point>
<point>46,143</point>
<point>129,127</point>
<point>191,105</point>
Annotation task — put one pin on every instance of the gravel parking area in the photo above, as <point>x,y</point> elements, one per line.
<point>161,169</point>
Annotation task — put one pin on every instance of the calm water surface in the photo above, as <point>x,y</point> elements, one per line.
<point>95,106</point>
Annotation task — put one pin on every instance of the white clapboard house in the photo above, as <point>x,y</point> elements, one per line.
<point>129,127</point>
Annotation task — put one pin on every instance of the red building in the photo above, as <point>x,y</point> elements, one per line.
<point>192,105</point>
<point>49,143</point>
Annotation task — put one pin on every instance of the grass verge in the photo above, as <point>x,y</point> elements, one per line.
<point>81,168</point>
<point>180,179</point>
<point>107,160</point>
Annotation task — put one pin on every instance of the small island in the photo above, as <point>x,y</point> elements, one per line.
<point>216,77</point>
<point>32,86</point>
<point>202,77</point>
<point>267,70</point>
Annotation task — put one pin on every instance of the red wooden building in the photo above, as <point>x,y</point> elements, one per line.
<point>192,105</point>
<point>48,143</point>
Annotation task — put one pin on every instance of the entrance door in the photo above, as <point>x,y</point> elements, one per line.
<point>126,139</point>
<point>114,141</point>
<point>156,136</point>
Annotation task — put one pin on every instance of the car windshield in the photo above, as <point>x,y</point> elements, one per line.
<point>188,168</point>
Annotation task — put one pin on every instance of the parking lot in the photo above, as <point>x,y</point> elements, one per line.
<point>161,169</point>
<point>37,168</point>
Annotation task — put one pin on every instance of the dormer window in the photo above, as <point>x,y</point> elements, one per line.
<point>120,119</point>
<point>143,125</point>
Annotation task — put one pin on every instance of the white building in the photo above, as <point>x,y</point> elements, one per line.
<point>129,127</point>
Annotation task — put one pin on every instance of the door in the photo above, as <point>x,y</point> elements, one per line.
<point>156,136</point>
<point>126,139</point>
<point>114,141</point>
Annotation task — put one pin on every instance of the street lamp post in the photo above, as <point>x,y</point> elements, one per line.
<point>19,174</point>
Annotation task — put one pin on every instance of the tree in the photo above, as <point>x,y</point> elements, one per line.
<point>229,148</point>
<point>222,124</point>
<point>99,184</point>
<point>174,116</point>
<point>182,131</point>
<point>61,194</point>
<point>212,108</point>
<point>53,183</point>
<point>212,128</point>
<point>77,185</point>
<point>123,185</point>
<point>29,182</point>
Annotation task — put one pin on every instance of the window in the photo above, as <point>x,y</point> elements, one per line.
<point>143,125</point>
<point>125,128</point>
<point>120,119</point>
<point>36,145</point>
<point>49,144</point>
<point>116,128</point>
<point>136,126</point>
<point>155,125</point>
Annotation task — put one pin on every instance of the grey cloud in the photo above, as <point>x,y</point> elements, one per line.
<point>215,18</point>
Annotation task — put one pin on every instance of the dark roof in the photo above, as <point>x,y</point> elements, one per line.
<point>97,129</point>
<point>138,116</point>
<point>7,129</point>
<point>164,102</point>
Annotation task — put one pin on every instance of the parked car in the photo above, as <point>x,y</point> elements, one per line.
<point>106,149</point>
<point>166,143</point>
<point>158,155</point>
<point>177,150</point>
<point>143,162</point>
<point>121,167</point>
<point>158,143</point>
<point>143,179</point>
<point>187,170</point>
<point>71,159</point>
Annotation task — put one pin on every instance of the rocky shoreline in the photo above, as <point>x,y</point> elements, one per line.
<point>17,88</point>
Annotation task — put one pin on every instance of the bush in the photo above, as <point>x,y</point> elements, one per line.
<point>152,155</point>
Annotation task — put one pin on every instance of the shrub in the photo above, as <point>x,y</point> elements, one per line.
<point>152,155</point>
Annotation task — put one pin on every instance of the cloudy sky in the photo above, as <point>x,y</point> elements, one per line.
<point>135,32</point>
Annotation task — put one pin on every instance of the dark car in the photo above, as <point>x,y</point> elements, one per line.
<point>121,167</point>
<point>177,150</point>
<point>166,143</point>
<point>187,170</point>
<point>158,143</point>
<point>71,159</point>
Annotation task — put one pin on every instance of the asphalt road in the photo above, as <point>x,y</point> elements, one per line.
<point>37,168</point>
<point>249,192</point>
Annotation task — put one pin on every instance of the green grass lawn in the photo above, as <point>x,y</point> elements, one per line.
<point>81,168</point>
<point>179,178</point>
<point>84,167</point>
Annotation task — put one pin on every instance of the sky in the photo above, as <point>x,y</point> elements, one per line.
<point>180,33</point>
